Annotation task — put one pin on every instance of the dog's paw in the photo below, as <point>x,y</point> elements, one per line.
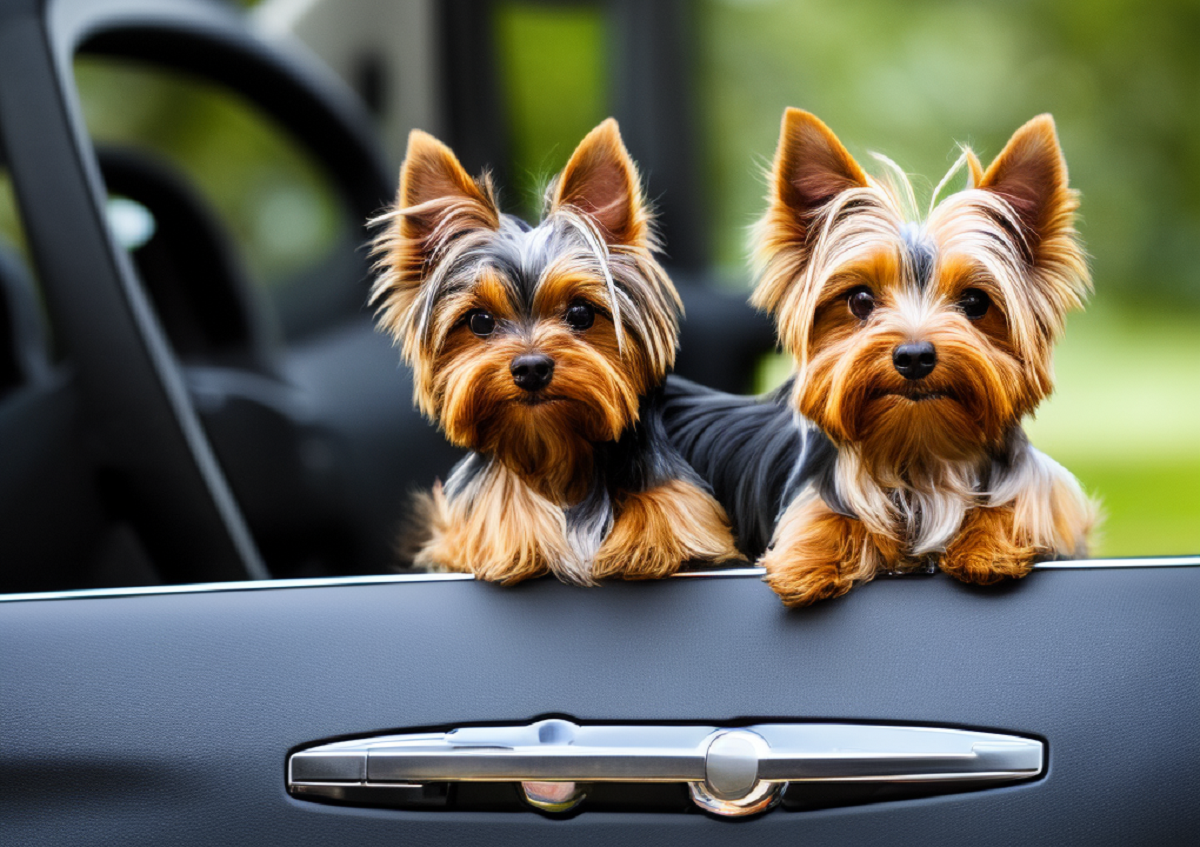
<point>655,532</point>
<point>989,564</point>
<point>803,583</point>
<point>984,552</point>
<point>818,554</point>
<point>982,569</point>
<point>506,534</point>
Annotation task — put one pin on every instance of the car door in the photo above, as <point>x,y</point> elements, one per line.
<point>168,715</point>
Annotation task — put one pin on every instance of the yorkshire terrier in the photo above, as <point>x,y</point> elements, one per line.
<point>919,347</point>
<point>543,351</point>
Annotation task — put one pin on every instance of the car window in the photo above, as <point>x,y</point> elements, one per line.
<point>26,344</point>
<point>1128,379</point>
<point>270,197</point>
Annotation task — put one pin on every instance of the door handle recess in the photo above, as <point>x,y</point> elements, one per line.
<point>734,771</point>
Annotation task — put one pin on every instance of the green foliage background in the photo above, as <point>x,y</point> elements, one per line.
<point>1122,79</point>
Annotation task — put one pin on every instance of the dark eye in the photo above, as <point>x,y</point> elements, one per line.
<point>974,303</point>
<point>480,322</point>
<point>580,316</point>
<point>862,302</point>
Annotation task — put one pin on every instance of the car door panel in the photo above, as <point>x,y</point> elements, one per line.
<point>194,700</point>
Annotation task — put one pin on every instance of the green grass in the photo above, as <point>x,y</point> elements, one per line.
<point>1125,419</point>
<point>911,79</point>
<point>1151,508</point>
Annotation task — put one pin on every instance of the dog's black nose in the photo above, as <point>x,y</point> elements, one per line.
<point>532,371</point>
<point>915,360</point>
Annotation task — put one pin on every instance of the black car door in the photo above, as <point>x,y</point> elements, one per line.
<point>168,715</point>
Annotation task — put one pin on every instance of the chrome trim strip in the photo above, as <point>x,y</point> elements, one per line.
<point>1143,562</point>
<point>388,579</point>
<point>720,574</point>
<point>247,585</point>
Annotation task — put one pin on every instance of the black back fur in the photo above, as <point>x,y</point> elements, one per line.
<point>754,452</point>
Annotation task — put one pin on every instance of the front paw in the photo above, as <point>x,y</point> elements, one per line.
<point>817,554</point>
<point>658,531</point>
<point>626,557</point>
<point>507,535</point>
<point>799,581</point>
<point>989,564</point>
<point>985,553</point>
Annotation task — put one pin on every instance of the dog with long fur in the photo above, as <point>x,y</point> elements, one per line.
<point>542,349</point>
<point>920,343</point>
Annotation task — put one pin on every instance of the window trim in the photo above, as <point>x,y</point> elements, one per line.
<point>389,579</point>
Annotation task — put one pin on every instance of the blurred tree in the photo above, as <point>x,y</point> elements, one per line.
<point>1122,79</point>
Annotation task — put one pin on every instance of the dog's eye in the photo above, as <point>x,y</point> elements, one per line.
<point>580,316</point>
<point>862,302</point>
<point>974,303</point>
<point>481,323</point>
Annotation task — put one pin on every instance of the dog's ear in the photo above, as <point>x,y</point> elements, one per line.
<point>436,203</point>
<point>1031,175</point>
<point>974,168</point>
<point>811,167</point>
<point>434,187</point>
<point>601,181</point>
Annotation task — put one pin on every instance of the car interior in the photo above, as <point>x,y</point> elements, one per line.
<point>280,413</point>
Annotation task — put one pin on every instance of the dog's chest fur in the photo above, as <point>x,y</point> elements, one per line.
<point>923,511</point>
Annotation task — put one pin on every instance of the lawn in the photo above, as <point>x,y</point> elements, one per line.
<point>1126,420</point>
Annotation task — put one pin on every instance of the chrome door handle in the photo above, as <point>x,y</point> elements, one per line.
<point>729,771</point>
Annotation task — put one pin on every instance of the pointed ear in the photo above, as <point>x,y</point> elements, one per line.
<point>811,166</point>
<point>1031,174</point>
<point>974,168</point>
<point>434,185</point>
<point>436,200</point>
<point>601,181</point>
